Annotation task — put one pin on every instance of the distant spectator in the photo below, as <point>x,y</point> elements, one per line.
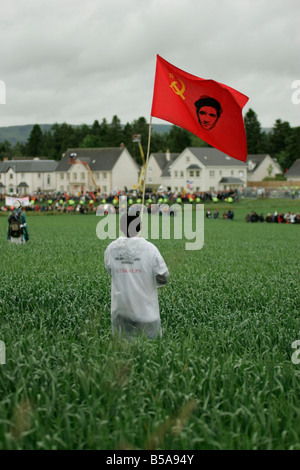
<point>253,217</point>
<point>280,218</point>
<point>269,218</point>
<point>230,215</point>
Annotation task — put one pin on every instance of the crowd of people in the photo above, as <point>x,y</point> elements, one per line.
<point>88,202</point>
<point>278,217</point>
<point>229,215</point>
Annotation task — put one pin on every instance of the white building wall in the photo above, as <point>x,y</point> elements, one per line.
<point>262,171</point>
<point>63,184</point>
<point>10,181</point>
<point>125,172</point>
<point>154,171</point>
<point>75,179</point>
<point>105,179</point>
<point>61,181</point>
<point>72,181</point>
<point>209,176</point>
<point>180,174</point>
<point>45,181</point>
<point>99,179</point>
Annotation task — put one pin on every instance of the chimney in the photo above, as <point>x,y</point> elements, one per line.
<point>168,155</point>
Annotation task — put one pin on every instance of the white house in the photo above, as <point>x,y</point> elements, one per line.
<point>261,166</point>
<point>27,175</point>
<point>158,163</point>
<point>96,169</point>
<point>204,169</point>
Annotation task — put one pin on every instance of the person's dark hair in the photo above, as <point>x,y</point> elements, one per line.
<point>130,225</point>
<point>208,101</point>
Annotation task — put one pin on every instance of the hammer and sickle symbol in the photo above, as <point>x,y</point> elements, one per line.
<point>176,89</point>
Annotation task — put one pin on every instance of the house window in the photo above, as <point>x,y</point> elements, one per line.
<point>232,172</point>
<point>176,188</point>
<point>175,174</point>
<point>150,168</point>
<point>97,176</point>
<point>82,176</point>
<point>61,176</point>
<point>150,179</point>
<point>68,176</point>
<point>241,173</point>
<point>182,188</point>
<point>61,189</point>
<point>39,175</point>
<point>187,159</point>
<point>198,188</point>
<point>197,172</point>
<point>211,172</point>
<point>75,176</point>
<point>212,188</point>
<point>104,189</point>
<point>220,172</point>
<point>22,175</point>
<point>181,174</point>
<point>11,176</point>
<point>104,176</point>
<point>192,173</point>
<point>48,179</point>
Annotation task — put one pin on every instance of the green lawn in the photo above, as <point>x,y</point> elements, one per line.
<point>222,375</point>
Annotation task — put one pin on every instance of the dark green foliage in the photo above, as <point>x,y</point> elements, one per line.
<point>5,149</point>
<point>34,145</point>
<point>253,132</point>
<point>178,139</point>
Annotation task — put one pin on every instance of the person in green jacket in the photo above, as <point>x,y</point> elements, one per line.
<point>17,224</point>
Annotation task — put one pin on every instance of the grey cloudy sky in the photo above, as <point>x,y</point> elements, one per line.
<point>79,60</point>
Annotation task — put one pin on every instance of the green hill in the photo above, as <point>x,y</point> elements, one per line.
<point>16,134</point>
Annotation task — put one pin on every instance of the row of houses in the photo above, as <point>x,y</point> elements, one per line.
<point>109,169</point>
<point>207,169</point>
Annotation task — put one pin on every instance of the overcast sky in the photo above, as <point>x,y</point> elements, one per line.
<point>76,61</point>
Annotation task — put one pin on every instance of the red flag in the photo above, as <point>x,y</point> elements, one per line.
<point>208,109</point>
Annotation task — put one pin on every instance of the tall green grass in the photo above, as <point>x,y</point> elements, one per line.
<point>220,378</point>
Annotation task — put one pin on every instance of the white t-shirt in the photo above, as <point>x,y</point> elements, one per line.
<point>134,264</point>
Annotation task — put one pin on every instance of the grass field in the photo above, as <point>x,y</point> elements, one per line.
<point>220,378</point>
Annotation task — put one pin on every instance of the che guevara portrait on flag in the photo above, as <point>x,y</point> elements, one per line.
<point>208,112</point>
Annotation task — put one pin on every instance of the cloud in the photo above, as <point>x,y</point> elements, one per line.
<point>78,61</point>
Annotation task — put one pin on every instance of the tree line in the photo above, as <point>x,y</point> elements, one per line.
<point>282,142</point>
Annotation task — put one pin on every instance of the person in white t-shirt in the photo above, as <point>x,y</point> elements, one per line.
<point>137,269</point>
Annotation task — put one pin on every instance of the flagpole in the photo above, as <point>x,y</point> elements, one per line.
<point>146,165</point>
